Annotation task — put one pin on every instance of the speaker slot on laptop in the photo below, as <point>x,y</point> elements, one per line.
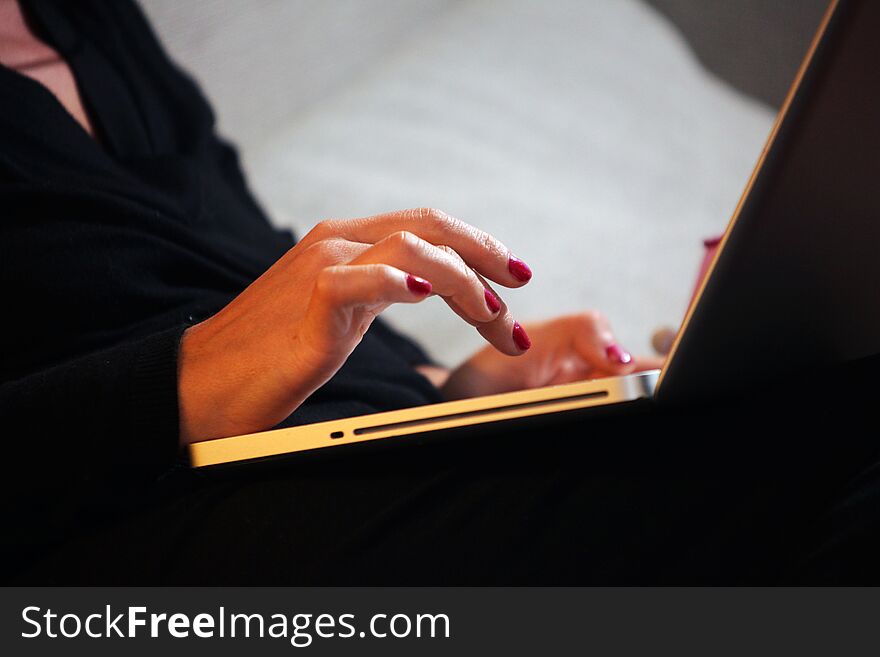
<point>360,431</point>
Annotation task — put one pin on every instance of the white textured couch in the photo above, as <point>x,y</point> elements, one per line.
<point>584,134</point>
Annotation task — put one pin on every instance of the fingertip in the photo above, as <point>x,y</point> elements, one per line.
<point>519,269</point>
<point>617,355</point>
<point>418,286</point>
<point>662,340</point>
<point>520,337</point>
<point>493,303</point>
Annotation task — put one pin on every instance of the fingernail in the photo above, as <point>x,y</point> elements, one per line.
<point>418,285</point>
<point>520,338</point>
<point>520,270</point>
<point>618,355</point>
<point>492,301</point>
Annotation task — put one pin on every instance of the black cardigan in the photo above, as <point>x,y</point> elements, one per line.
<point>108,251</point>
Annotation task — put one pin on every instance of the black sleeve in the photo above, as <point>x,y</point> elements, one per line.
<point>111,411</point>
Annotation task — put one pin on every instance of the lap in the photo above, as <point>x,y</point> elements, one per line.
<point>718,495</point>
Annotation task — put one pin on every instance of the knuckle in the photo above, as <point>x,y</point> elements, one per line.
<point>454,260</point>
<point>487,242</point>
<point>435,214</point>
<point>324,283</point>
<point>432,216</point>
<point>322,229</point>
<point>392,281</point>
<point>403,240</point>
<point>321,252</point>
<point>384,277</point>
<point>386,274</point>
<point>429,214</point>
<point>448,250</point>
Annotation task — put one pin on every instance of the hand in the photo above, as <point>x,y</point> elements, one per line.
<point>566,349</point>
<point>252,364</point>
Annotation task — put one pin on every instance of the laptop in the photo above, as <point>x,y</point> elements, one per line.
<point>795,282</point>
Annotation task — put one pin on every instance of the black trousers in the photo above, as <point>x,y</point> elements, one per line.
<point>772,487</point>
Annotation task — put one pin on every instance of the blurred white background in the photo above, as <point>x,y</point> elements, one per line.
<point>585,135</point>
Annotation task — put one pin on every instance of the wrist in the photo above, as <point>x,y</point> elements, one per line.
<point>226,387</point>
<point>193,394</point>
<point>213,386</point>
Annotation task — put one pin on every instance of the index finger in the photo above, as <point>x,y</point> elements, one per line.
<point>480,250</point>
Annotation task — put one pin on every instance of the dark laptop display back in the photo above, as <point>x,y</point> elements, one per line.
<point>796,283</point>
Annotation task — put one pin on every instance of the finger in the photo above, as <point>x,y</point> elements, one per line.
<point>480,250</point>
<point>644,363</point>
<point>595,343</point>
<point>504,332</point>
<point>371,288</point>
<point>449,274</point>
<point>332,251</point>
<point>662,340</point>
<point>571,370</point>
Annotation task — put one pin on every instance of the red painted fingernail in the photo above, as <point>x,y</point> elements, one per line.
<point>618,355</point>
<point>520,270</point>
<point>418,285</point>
<point>520,338</point>
<point>492,301</point>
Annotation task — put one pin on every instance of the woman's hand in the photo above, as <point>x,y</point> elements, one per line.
<point>566,349</point>
<point>252,364</point>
